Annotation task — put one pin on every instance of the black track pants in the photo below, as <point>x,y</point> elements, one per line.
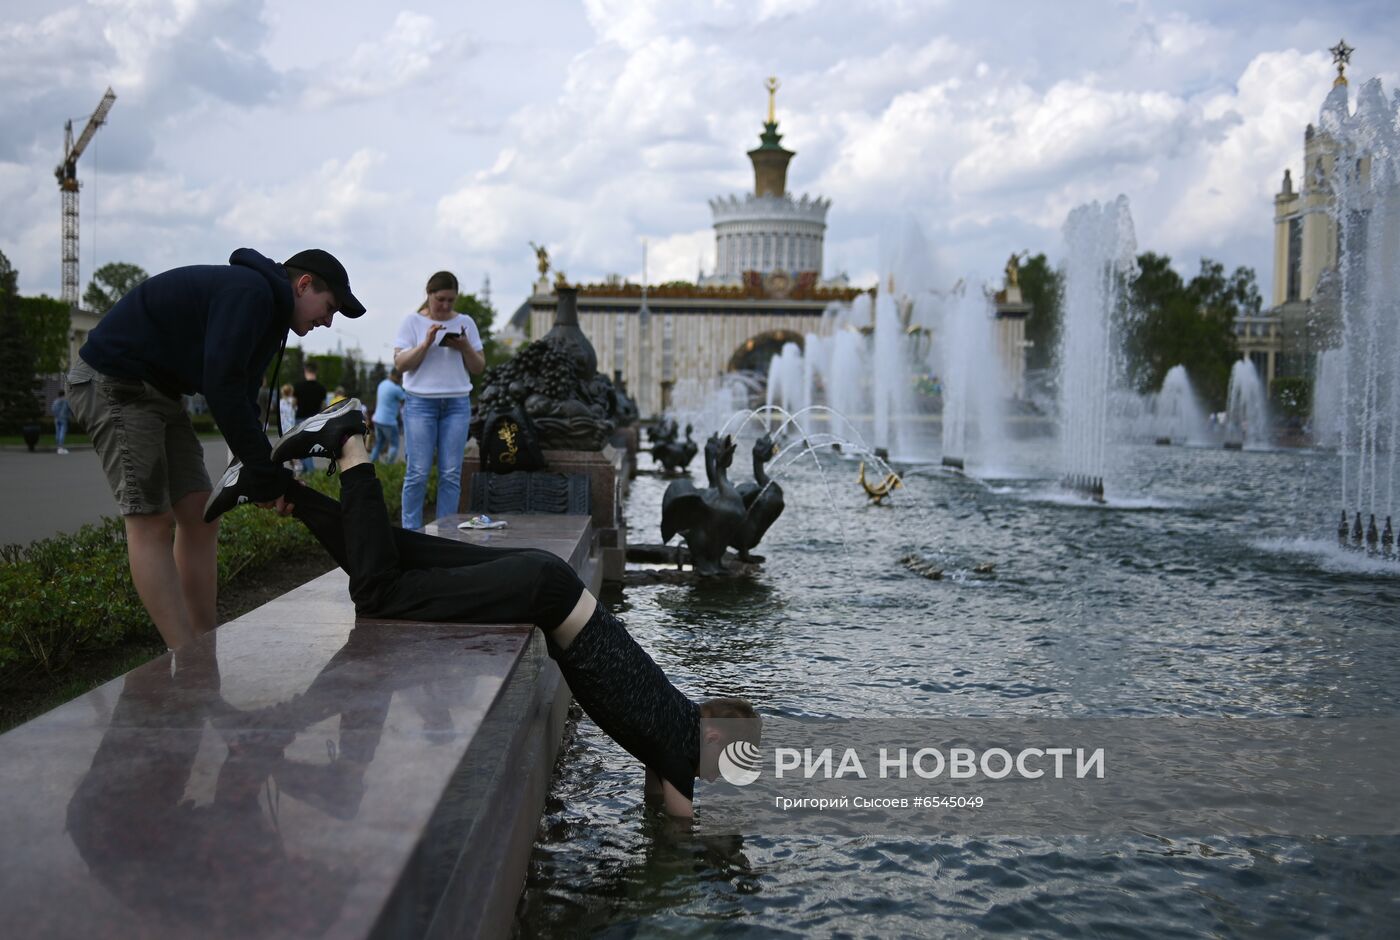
<point>402,574</point>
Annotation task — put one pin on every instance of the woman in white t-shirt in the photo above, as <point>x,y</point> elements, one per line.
<point>437,350</point>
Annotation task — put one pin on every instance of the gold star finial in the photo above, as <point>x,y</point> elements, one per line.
<point>772,84</point>
<point>1341,55</point>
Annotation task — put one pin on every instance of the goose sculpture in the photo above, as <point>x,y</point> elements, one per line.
<point>708,519</point>
<point>763,500</point>
<point>673,455</point>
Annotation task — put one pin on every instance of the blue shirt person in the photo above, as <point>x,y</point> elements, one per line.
<point>388,399</point>
<point>62,414</point>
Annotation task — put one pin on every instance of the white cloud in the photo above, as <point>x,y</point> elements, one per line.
<point>407,147</point>
<point>334,203</point>
<point>489,218</point>
<point>183,49</point>
<point>413,48</point>
<point>1230,189</point>
<point>677,257</point>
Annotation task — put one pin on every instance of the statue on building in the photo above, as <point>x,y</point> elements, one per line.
<point>541,259</point>
<point>1013,270</point>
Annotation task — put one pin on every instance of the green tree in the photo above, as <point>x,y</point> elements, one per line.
<point>18,403</point>
<point>289,373</point>
<point>1292,396</point>
<point>1176,322</point>
<point>110,283</point>
<point>485,317</point>
<point>1042,287</point>
<point>46,324</point>
<point>350,376</point>
<point>330,369</point>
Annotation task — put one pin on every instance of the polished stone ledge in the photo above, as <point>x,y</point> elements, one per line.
<point>297,773</point>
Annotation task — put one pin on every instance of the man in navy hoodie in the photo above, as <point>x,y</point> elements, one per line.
<point>211,329</point>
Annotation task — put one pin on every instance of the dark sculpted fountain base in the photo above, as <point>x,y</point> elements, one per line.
<point>1370,539</point>
<point>673,455</point>
<point>672,564</point>
<point>556,383</point>
<point>1085,486</point>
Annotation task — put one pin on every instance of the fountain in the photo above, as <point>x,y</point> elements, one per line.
<point>708,403</point>
<point>972,382</point>
<point>1099,264</point>
<point>1367,213</point>
<point>863,370</point>
<point>1175,412</point>
<point>1327,399</point>
<point>790,377</point>
<point>865,362</point>
<point>1246,409</point>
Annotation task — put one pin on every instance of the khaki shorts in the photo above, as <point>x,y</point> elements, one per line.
<point>149,450</point>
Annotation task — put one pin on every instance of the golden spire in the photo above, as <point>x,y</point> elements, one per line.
<point>772,85</point>
<point>1341,55</point>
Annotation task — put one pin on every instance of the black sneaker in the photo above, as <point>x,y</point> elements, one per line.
<point>227,494</point>
<point>321,434</point>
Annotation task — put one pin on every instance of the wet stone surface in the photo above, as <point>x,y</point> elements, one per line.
<point>298,772</point>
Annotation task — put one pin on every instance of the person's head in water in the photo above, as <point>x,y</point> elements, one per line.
<point>722,722</point>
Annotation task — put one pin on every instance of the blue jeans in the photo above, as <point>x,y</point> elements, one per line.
<point>60,430</point>
<point>429,425</point>
<point>386,437</point>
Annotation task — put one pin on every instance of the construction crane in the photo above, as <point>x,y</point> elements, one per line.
<point>67,173</point>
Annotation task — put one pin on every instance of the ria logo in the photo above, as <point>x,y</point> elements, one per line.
<point>740,763</point>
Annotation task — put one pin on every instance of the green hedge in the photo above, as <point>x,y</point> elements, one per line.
<point>62,596</point>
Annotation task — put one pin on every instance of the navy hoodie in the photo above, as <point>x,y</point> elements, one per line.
<point>206,328</point>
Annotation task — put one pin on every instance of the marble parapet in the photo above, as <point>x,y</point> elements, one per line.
<point>608,484</point>
<point>296,773</point>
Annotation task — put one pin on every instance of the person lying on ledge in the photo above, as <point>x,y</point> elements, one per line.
<point>408,575</point>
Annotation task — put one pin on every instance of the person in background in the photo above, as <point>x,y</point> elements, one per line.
<point>287,408</point>
<point>311,398</point>
<point>287,417</point>
<point>437,352</point>
<point>388,398</point>
<point>264,396</point>
<point>62,414</point>
<point>337,396</point>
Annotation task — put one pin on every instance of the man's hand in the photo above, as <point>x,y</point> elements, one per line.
<point>283,507</point>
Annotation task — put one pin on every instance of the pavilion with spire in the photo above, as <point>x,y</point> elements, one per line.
<point>767,237</point>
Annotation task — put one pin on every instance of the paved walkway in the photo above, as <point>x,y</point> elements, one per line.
<point>47,493</point>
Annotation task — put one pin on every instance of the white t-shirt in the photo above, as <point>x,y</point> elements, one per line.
<point>441,374</point>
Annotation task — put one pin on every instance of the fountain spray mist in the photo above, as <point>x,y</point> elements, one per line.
<point>1367,214</point>
<point>1099,265</point>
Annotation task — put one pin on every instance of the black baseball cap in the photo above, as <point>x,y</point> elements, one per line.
<point>324,265</point>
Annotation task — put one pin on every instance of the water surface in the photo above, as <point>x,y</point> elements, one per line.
<point>1210,585</point>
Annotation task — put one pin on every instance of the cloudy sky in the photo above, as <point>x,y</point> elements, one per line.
<point>449,135</point>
